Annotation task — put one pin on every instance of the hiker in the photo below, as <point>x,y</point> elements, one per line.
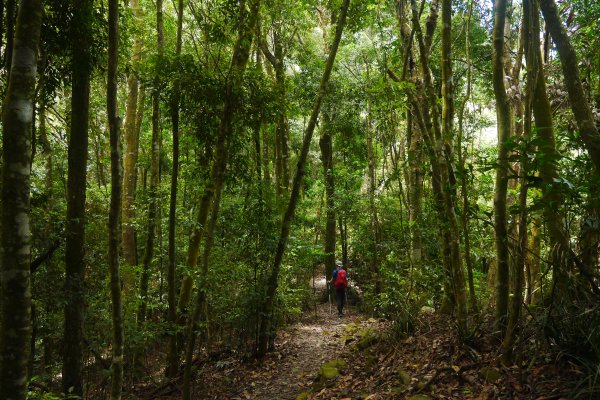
<point>340,282</point>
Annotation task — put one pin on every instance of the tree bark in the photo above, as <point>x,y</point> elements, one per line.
<point>132,134</point>
<point>114,124</point>
<point>76,194</point>
<point>579,104</point>
<point>295,193</point>
<point>326,146</point>
<point>461,160</point>
<point>374,218</point>
<point>442,181</point>
<point>547,153</point>
<point>504,121</point>
<point>172,360</point>
<point>154,177</point>
<point>17,118</point>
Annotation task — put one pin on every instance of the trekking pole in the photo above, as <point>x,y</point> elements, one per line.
<point>329,293</point>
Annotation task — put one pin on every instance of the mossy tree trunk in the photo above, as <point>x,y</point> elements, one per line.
<point>570,66</point>
<point>437,140</point>
<point>154,177</point>
<point>76,194</point>
<point>131,134</point>
<point>326,146</point>
<point>114,234</point>
<point>504,123</point>
<point>172,358</point>
<point>462,155</point>
<point>17,119</point>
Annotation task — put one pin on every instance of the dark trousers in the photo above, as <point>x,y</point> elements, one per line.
<point>340,298</point>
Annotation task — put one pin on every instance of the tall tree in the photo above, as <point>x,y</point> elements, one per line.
<point>461,162</point>
<point>282,175</point>
<point>131,134</point>
<point>17,119</point>
<point>547,152</point>
<point>436,139</point>
<point>76,193</point>
<point>114,124</point>
<point>212,195</point>
<point>374,218</point>
<point>326,145</point>
<point>154,173</point>
<point>172,351</point>
<point>504,118</point>
<point>272,282</point>
<point>239,61</point>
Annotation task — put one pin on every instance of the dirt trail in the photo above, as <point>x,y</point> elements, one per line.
<point>301,349</point>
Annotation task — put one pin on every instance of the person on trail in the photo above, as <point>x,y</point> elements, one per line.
<point>340,282</point>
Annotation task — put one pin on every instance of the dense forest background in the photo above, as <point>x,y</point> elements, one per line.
<point>175,174</point>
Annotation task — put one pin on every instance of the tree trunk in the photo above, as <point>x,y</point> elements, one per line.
<point>504,121</point>
<point>463,176</point>
<point>76,193</point>
<point>568,58</point>
<point>154,178</point>
<point>295,194</point>
<point>442,180</point>
<point>375,229</point>
<point>548,155</point>
<point>17,118</point>
<point>132,133</point>
<point>239,61</point>
<point>534,286</point>
<point>114,124</point>
<point>201,296</point>
<point>325,143</point>
<point>172,360</point>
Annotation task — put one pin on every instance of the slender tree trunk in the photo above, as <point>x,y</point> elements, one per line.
<point>76,188</point>
<point>239,60</point>
<point>579,104</point>
<point>114,124</point>
<point>375,229</point>
<point>132,133</point>
<point>414,178</point>
<point>295,193</point>
<point>201,296</point>
<point>326,145</point>
<point>415,191</point>
<point>458,276</point>
<point>542,112</point>
<point>282,123</point>
<point>154,177</point>
<point>172,351</point>
<point>17,118</point>
<point>523,130</point>
<point>461,160</point>
<point>436,139</point>
<point>504,121</point>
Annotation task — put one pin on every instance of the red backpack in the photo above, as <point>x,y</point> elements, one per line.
<point>340,280</point>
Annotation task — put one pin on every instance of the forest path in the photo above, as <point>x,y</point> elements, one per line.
<point>300,351</point>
